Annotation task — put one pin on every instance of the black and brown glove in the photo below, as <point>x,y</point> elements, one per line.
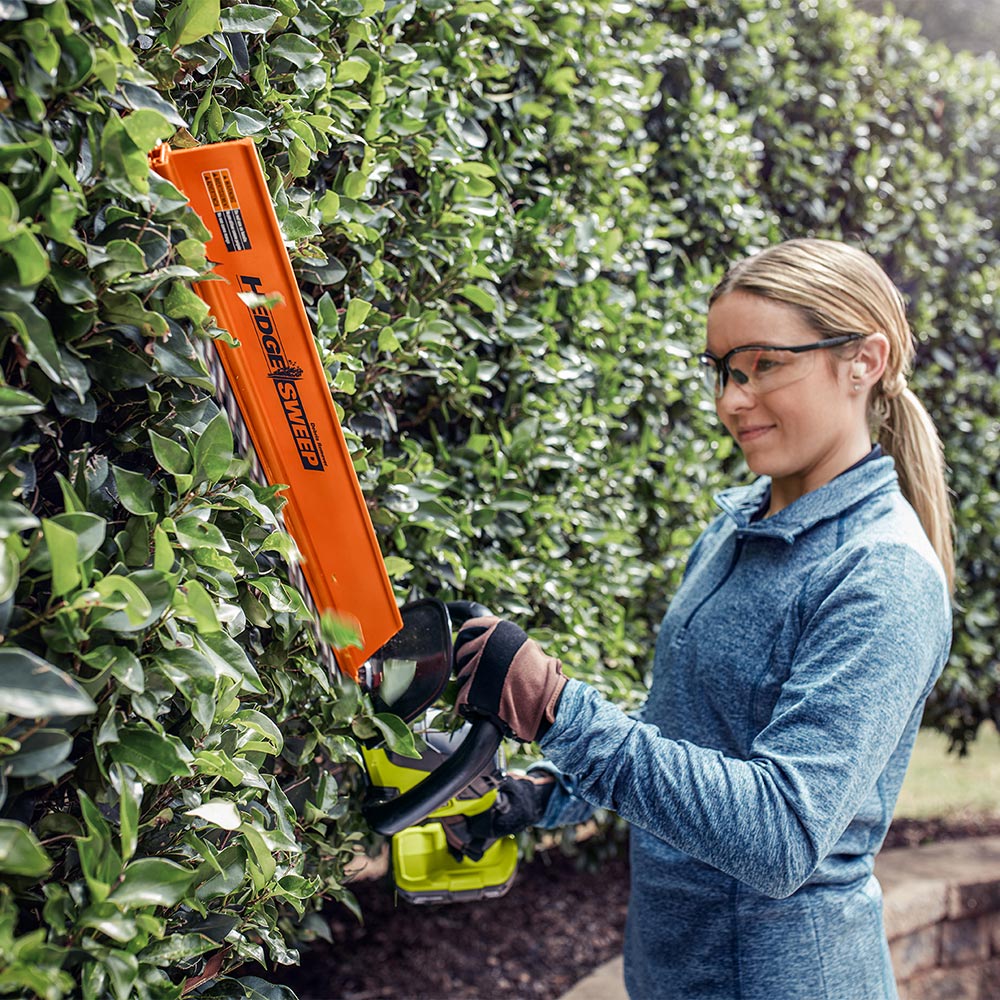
<point>520,803</point>
<point>505,676</point>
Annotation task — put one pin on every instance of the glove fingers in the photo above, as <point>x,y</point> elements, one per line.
<point>521,803</point>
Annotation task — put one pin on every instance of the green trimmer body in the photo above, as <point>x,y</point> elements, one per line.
<point>424,804</point>
<point>425,867</point>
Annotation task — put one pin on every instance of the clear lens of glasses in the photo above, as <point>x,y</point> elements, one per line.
<point>760,370</point>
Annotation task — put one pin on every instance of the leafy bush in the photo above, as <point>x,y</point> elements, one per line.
<point>505,220</point>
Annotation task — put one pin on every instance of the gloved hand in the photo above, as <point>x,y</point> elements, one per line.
<point>520,803</point>
<point>505,675</point>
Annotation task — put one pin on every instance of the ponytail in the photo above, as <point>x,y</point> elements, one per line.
<point>907,433</point>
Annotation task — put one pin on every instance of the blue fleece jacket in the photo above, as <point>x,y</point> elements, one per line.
<point>789,677</point>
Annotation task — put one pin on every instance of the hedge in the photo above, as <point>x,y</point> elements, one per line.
<point>505,219</point>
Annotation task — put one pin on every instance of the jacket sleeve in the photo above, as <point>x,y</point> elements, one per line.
<point>875,628</point>
<point>565,807</point>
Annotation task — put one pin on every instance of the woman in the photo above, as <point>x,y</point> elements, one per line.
<point>792,666</point>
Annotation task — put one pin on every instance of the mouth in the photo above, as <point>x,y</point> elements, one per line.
<point>745,434</point>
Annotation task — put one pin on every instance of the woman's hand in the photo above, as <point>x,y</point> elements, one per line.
<point>506,676</point>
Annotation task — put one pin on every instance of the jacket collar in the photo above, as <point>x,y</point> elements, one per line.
<point>831,500</point>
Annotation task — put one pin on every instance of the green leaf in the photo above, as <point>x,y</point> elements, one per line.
<point>172,456</point>
<point>130,600</point>
<point>396,566</point>
<point>135,491</point>
<point>329,206</point>
<point>152,882</point>
<point>31,688</point>
<point>126,165</point>
<point>10,573</point>
<point>190,20</point>
<point>270,739</point>
<point>214,762</point>
<point>44,46</point>
<point>339,632</point>
<point>40,752</point>
<point>178,948</point>
<point>249,19</point>
<point>156,757</point>
<point>130,801</point>
<point>36,337</point>
<point>220,812</point>
<point>213,450</point>
<point>143,596</point>
<point>397,735</point>
<point>192,600</point>
<point>20,852</point>
<point>147,127</point>
<point>61,543</point>
<point>29,256</point>
<point>354,184</point>
<point>195,532</point>
<point>14,517</point>
<point>261,862</point>
<point>183,303</point>
<point>89,530</point>
<point>163,551</point>
<point>229,659</point>
<point>255,987</point>
<point>352,70</point>
<point>299,51</point>
<point>17,403</point>
<point>100,862</point>
<point>478,297</point>
<point>103,917</point>
<point>357,312</point>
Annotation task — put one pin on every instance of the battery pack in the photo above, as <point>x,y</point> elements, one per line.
<point>425,871</point>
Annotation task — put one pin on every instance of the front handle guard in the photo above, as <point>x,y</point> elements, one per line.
<point>459,770</point>
<point>455,773</point>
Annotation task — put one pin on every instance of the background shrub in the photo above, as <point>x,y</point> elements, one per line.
<point>505,219</point>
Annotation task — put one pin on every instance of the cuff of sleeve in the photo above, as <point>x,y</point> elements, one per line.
<point>564,711</point>
<point>565,807</point>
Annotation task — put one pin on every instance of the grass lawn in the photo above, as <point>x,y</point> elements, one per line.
<point>940,784</point>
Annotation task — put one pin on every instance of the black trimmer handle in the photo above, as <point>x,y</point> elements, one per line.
<point>457,772</point>
<point>461,611</point>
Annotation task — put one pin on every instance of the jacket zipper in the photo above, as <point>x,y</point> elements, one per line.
<point>683,631</point>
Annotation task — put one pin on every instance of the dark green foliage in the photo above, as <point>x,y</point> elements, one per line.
<point>505,219</point>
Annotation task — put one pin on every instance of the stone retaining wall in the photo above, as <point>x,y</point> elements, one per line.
<point>942,917</point>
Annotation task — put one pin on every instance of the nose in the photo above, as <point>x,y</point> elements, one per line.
<point>735,398</point>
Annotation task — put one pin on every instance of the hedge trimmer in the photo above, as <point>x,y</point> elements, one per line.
<point>272,384</point>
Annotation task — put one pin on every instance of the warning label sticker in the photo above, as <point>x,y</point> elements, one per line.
<point>222,194</point>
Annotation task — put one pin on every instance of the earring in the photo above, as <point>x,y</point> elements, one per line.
<point>858,387</point>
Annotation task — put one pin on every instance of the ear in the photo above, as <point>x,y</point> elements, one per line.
<point>868,364</point>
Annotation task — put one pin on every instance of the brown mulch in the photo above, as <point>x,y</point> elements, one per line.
<point>557,924</point>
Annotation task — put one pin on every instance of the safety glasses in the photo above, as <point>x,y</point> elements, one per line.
<point>760,369</point>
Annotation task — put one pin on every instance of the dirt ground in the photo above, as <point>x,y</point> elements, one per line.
<point>553,927</point>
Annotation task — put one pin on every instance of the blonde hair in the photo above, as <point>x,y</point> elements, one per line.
<point>839,289</point>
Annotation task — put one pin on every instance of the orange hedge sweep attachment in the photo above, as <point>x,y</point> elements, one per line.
<point>279,384</point>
